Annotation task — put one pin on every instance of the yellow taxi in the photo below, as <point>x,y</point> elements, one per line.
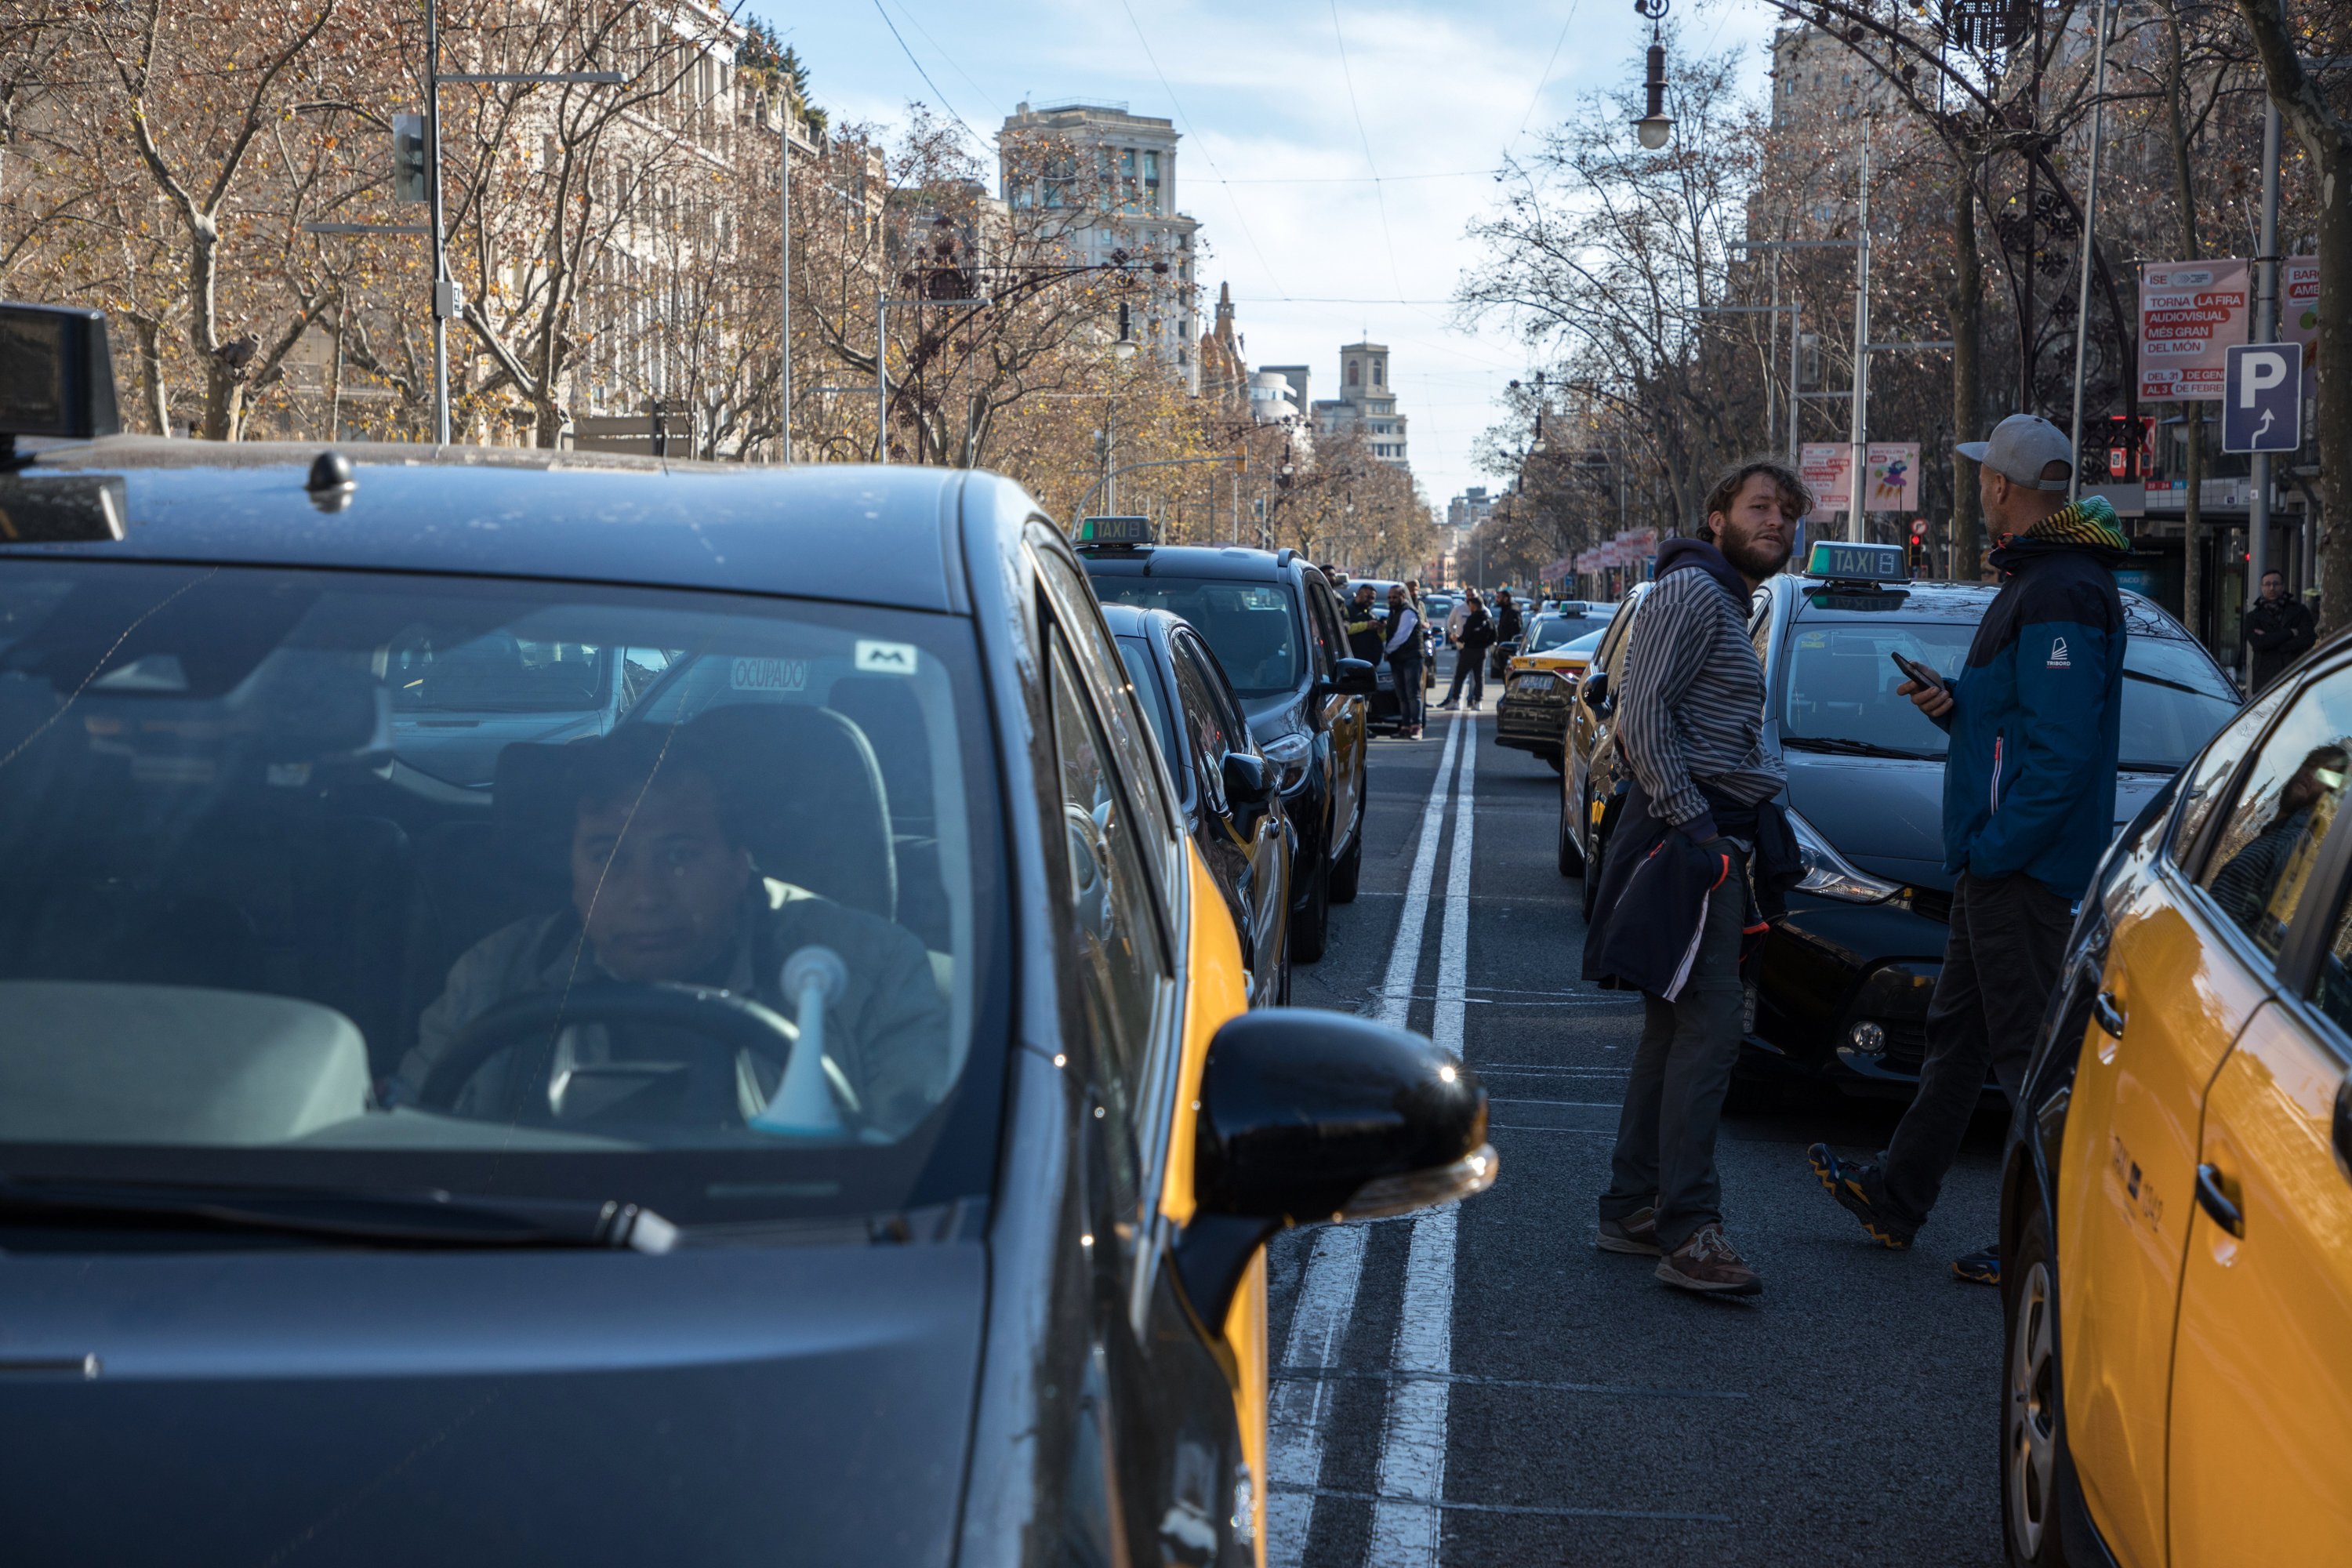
<point>1531,715</point>
<point>2177,1208</point>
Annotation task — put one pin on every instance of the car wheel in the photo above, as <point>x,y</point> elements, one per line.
<point>1310,922</point>
<point>1345,875</point>
<point>1571,858</point>
<point>2033,1427</point>
<point>1282,978</point>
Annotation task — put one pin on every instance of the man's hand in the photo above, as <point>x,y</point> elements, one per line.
<point>1933,701</point>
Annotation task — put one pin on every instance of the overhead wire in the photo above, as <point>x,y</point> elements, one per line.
<point>1379,197</point>
<point>919,71</point>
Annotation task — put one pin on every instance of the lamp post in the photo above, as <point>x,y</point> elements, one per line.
<point>2090,239</point>
<point>1655,125</point>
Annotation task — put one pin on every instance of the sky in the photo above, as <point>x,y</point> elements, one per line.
<point>1334,151</point>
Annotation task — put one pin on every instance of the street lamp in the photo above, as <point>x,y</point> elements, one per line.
<point>1655,126</point>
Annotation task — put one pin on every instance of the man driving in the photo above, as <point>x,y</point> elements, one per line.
<point>664,889</point>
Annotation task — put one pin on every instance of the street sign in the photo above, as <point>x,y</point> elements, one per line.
<point>2262,404</point>
<point>412,174</point>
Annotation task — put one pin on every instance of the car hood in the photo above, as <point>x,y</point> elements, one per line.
<point>728,1405</point>
<point>1886,814</point>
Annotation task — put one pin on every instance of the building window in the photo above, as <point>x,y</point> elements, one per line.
<point>1125,333</point>
<point>1355,372</point>
<point>1183,328</point>
<point>1151,182</point>
<point>1379,365</point>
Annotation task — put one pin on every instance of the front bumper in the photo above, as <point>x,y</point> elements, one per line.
<point>1828,967</point>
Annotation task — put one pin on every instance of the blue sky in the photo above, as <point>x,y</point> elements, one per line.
<point>1288,108</point>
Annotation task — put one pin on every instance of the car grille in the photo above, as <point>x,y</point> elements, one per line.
<point>1907,1046</point>
<point>1935,905</point>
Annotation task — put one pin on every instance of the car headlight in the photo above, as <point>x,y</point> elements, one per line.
<point>1290,754</point>
<point>1829,875</point>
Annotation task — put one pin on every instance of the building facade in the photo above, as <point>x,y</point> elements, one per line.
<point>1367,401</point>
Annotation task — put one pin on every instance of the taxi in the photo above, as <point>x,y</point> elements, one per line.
<point>798,1104</point>
<point>1540,681</point>
<point>2177,1197</point>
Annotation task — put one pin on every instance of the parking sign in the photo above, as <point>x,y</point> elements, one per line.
<point>2261,398</point>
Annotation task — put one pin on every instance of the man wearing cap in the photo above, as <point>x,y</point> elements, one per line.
<point>2035,716</point>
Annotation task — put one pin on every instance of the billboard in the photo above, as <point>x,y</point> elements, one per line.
<point>1892,484</point>
<point>2299,313</point>
<point>1823,466</point>
<point>2191,314</point>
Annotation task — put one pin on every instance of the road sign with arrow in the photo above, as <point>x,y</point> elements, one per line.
<point>2261,398</point>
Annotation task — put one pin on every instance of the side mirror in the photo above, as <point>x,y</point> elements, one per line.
<point>1249,786</point>
<point>1356,678</point>
<point>1308,1115</point>
<point>1596,689</point>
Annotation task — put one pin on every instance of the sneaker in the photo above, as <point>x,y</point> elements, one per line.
<point>1981,1266</point>
<point>1706,1263</point>
<point>1637,1232</point>
<point>1449,705</point>
<point>1848,1181</point>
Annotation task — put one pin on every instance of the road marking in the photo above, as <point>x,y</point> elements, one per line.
<point>1407,1524</point>
<point>1541,1512</point>
<point>1301,1408</point>
<point>1579,1104</point>
<point>1384,1374</point>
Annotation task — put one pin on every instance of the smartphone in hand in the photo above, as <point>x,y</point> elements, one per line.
<point>1917,672</point>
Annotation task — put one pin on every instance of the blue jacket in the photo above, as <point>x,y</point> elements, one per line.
<point>2030,783</point>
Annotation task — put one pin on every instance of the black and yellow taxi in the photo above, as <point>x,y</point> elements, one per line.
<point>2177,1200</point>
<point>804,1111</point>
<point>1539,682</point>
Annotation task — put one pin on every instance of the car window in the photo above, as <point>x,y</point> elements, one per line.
<point>1113,931</point>
<point>2261,858</point>
<point>1205,719</point>
<point>1322,617</point>
<point>2209,780</point>
<point>1097,659</point>
<point>1254,627</point>
<point>2173,701</point>
<point>1144,672</point>
<point>387,945</point>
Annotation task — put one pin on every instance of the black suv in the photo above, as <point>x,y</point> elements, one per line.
<point>1274,622</point>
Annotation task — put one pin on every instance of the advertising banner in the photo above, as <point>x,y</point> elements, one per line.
<point>2191,314</point>
<point>1823,466</point>
<point>1892,485</point>
<point>2299,313</point>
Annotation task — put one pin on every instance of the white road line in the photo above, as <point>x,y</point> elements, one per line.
<point>1301,1408</point>
<point>1407,1522</point>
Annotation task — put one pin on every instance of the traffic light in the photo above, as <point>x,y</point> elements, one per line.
<point>2131,446</point>
<point>412,176</point>
<point>1918,556</point>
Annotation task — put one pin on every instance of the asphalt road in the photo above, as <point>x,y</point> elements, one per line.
<point>1558,1403</point>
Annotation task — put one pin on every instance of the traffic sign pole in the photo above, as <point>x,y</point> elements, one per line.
<point>2258,505</point>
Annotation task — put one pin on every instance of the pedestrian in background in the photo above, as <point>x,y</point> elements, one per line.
<point>1363,628</point>
<point>1508,628</point>
<point>1699,818</point>
<point>1472,635</point>
<point>2035,719</point>
<point>1403,651</point>
<point>2278,630</point>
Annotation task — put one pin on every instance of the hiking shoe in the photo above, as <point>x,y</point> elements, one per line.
<point>1848,1182</point>
<point>1637,1232</point>
<point>1981,1266</point>
<point>1706,1263</point>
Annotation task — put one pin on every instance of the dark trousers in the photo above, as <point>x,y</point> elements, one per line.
<point>1470,664</point>
<point>1665,1136</point>
<point>2001,963</point>
<point>1406,675</point>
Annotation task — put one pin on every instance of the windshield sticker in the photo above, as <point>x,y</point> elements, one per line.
<point>886,657</point>
<point>1813,639</point>
<point>769,675</point>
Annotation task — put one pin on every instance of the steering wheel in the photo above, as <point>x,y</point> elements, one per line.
<point>720,1022</point>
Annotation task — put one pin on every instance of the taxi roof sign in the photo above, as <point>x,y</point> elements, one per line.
<point>1842,563</point>
<point>1115,530</point>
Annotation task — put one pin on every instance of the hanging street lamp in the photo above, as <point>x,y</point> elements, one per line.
<point>1655,126</point>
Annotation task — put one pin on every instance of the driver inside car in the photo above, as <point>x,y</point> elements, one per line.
<point>664,889</point>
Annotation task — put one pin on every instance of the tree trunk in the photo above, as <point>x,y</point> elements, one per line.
<point>1967,379</point>
<point>150,332</point>
<point>2192,589</point>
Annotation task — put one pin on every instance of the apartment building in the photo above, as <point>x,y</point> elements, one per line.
<point>1367,401</point>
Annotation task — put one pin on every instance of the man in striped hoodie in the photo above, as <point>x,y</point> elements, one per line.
<point>1690,723</point>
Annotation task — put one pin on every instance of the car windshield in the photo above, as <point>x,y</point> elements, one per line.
<point>1554,631</point>
<point>1253,627</point>
<point>409,884</point>
<point>1840,690</point>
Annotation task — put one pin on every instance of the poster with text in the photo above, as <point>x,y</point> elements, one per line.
<point>1823,466</point>
<point>2191,314</point>
<point>2299,313</point>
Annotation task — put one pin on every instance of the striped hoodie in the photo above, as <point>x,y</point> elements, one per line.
<point>1691,707</point>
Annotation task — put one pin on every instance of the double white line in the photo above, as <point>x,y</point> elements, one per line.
<point>1406,1519</point>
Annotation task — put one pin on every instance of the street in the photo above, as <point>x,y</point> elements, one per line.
<point>1554,1403</point>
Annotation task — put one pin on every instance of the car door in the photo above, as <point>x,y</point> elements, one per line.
<point>1593,770</point>
<point>1345,716</point>
<point>2192,959</point>
<point>1244,850</point>
<point>2260,1439</point>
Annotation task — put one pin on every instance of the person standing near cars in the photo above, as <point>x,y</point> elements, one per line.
<point>2278,630</point>
<point>1690,724</point>
<point>1508,628</point>
<point>1403,651</point>
<point>1363,626</point>
<point>1472,637</point>
<point>2035,719</point>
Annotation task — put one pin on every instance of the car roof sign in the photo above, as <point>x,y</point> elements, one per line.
<point>1842,563</point>
<point>1115,533</point>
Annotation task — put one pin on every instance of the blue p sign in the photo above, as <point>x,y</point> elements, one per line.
<point>2261,398</point>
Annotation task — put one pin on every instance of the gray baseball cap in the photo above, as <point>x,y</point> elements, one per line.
<point>2023,445</point>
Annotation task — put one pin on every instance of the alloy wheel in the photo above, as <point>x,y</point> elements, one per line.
<point>2031,1419</point>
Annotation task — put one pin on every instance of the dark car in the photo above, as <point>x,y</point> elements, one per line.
<point>1275,624</point>
<point>1842,981</point>
<point>817,1119</point>
<point>1565,620</point>
<point>1531,713</point>
<point>1224,786</point>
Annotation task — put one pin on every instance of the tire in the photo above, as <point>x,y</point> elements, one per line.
<point>1282,980</point>
<point>1571,858</point>
<point>1350,866</point>
<point>2033,1460</point>
<point>1594,859</point>
<point>1310,922</point>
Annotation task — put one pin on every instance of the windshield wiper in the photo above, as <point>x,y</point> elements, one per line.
<point>2205,692</point>
<point>426,1219</point>
<point>1839,746</point>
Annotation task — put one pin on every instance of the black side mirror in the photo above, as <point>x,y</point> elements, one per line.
<point>1596,691</point>
<point>1356,678</point>
<point>1249,787</point>
<point>1308,1115</point>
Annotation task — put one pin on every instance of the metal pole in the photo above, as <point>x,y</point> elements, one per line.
<point>2090,237</point>
<point>442,292</point>
<point>2258,503</point>
<point>1796,401</point>
<point>1771,341</point>
<point>784,349</point>
<point>881,380</point>
<point>1857,529</point>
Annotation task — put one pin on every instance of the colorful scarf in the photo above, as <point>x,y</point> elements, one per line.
<point>2089,521</point>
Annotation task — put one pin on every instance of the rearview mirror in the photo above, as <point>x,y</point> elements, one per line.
<point>1308,1115</point>
<point>1355,677</point>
